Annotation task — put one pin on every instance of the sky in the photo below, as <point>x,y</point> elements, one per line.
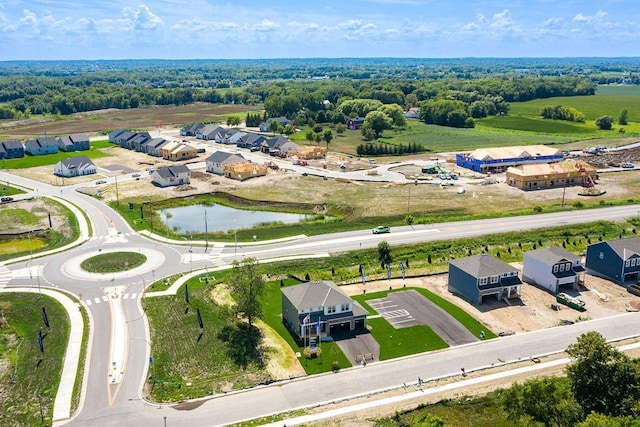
<point>194,29</point>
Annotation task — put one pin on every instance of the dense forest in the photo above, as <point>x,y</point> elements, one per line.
<point>313,88</point>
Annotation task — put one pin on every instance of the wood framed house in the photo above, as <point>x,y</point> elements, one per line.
<point>175,151</point>
<point>616,260</point>
<point>13,149</point>
<point>320,308</point>
<point>355,123</point>
<point>479,276</point>
<point>552,268</point>
<point>215,163</point>
<point>242,171</point>
<point>75,142</point>
<point>75,166</point>
<point>41,146</point>
<point>166,176</point>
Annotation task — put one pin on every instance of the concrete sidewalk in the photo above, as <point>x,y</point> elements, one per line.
<point>64,396</point>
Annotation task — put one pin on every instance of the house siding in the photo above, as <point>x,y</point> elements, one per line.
<point>464,284</point>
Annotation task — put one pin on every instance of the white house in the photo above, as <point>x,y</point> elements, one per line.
<point>167,176</point>
<point>551,268</point>
<point>74,166</point>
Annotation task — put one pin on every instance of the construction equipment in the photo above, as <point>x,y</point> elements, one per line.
<point>271,165</point>
<point>569,301</point>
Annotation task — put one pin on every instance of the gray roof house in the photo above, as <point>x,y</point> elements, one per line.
<point>266,125</point>
<point>320,308</point>
<point>617,260</point>
<point>215,162</point>
<point>209,132</point>
<point>166,176</point>
<point>478,276</point>
<point>13,149</point>
<point>114,135</point>
<point>3,152</point>
<point>153,146</point>
<point>75,166</point>
<point>251,140</point>
<point>272,145</point>
<point>41,146</point>
<point>551,268</point>
<point>191,130</point>
<point>75,142</point>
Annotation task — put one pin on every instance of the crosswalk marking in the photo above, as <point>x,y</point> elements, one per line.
<point>97,300</point>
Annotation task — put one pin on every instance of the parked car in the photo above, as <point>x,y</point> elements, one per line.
<point>381,229</point>
<point>135,175</point>
<point>6,199</point>
<point>628,165</point>
<point>101,181</point>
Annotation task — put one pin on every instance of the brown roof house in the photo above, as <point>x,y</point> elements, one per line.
<point>320,309</point>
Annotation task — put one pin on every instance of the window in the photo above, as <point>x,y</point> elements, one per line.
<point>483,281</point>
<point>344,307</point>
<point>494,279</point>
<point>555,268</point>
<point>331,309</point>
<point>567,266</point>
<point>601,255</point>
<point>627,263</point>
<point>633,262</point>
<point>561,267</point>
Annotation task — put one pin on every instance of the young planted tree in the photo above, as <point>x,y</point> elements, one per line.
<point>384,253</point>
<point>247,287</point>
<point>624,117</point>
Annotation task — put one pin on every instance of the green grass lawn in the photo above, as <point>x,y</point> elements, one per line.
<point>51,159</point>
<point>29,372</point>
<point>113,262</point>
<point>7,190</point>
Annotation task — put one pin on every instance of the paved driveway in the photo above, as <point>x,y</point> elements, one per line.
<point>410,308</point>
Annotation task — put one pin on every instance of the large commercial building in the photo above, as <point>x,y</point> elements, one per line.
<point>498,159</point>
<point>552,175</point>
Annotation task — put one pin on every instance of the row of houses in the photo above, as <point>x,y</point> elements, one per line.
<point>14,149</point>
<point>142,142</point>
<point>552,269</point>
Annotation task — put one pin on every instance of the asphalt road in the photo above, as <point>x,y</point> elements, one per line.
<point>108,404</point>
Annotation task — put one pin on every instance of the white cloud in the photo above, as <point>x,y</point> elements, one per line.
<point>265,26</point>
<point>142,18</point>
<point>503,22</point>
<point>586,19</point>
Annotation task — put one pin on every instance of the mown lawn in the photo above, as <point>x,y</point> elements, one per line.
<point>30,380</point>
<point>113,262</point>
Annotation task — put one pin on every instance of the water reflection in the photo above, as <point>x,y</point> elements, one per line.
<point>191,219</point>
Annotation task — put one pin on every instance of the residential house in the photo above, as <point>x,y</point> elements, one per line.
<point>153,147</point>
<point>124,138</point>
<point>272,146</point>
<point>215,162</point>
<point>209,132</point>
<point>617,260</point>
<point>41,146</point>
<point>242,171</point>
<point>166,176</point>
<point>114,135</point>
<point>479,276</point>
<point>176,150</point>
<point>320,309</point>
<point>3,153</point>
<point>251,140</point>
<point>75,166</point>
<point>75,142</point>
<point>191,130</point>
<point>13,149</point>
<point>287,147</point>
<point>355,123</point>
<point>139,140</point>
<point>412,113</point>
<point>233,136</point>
<point>266,125</point>
<point>552,268</point>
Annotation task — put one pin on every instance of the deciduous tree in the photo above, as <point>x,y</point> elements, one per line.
<point>247,287</point>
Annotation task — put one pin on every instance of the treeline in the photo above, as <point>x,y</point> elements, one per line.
<point>305,88</point>
<point>370,149</point>
<point>562,112</point>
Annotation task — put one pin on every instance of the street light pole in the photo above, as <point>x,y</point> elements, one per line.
<point>206,233</point>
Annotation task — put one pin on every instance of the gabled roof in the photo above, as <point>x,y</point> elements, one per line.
<point>625,248</point>
<point>251,138</point>
<point>552,255</point>
<point>12,144</point>
<point>211,130</point>
<point>276,141</point>
<point>482,265</point>
<point>497,153</point>
<point>221,156</point>
<point>320,293</point>
<point>154,143</point>
<point>79,137</point>
<point>41,142</point>
<point>65,140</point>
<point>170,171</point>
<point>76,162</point>
<point>357,120</point>
<point>115,133</point>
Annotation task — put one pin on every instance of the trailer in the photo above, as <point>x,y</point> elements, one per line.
<point>569,301</point>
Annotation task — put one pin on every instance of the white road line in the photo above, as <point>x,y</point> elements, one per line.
<point>395,313</point>
<point>126,296</point>
<point>133,295</point>
<point>97,300</point>
<point>104,298</point>
<point>411,319</point>
<point>88,302</point>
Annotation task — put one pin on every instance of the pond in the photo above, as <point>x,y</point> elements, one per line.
<point>191,219</point>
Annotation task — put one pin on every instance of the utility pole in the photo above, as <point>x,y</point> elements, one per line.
<point>206,234</point>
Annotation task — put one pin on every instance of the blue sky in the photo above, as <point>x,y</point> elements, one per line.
<point>188,29</point>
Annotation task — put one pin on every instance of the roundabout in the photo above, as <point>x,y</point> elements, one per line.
<point>73,267</point>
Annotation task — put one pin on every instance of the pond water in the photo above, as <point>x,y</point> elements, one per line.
<point>191,219</point>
